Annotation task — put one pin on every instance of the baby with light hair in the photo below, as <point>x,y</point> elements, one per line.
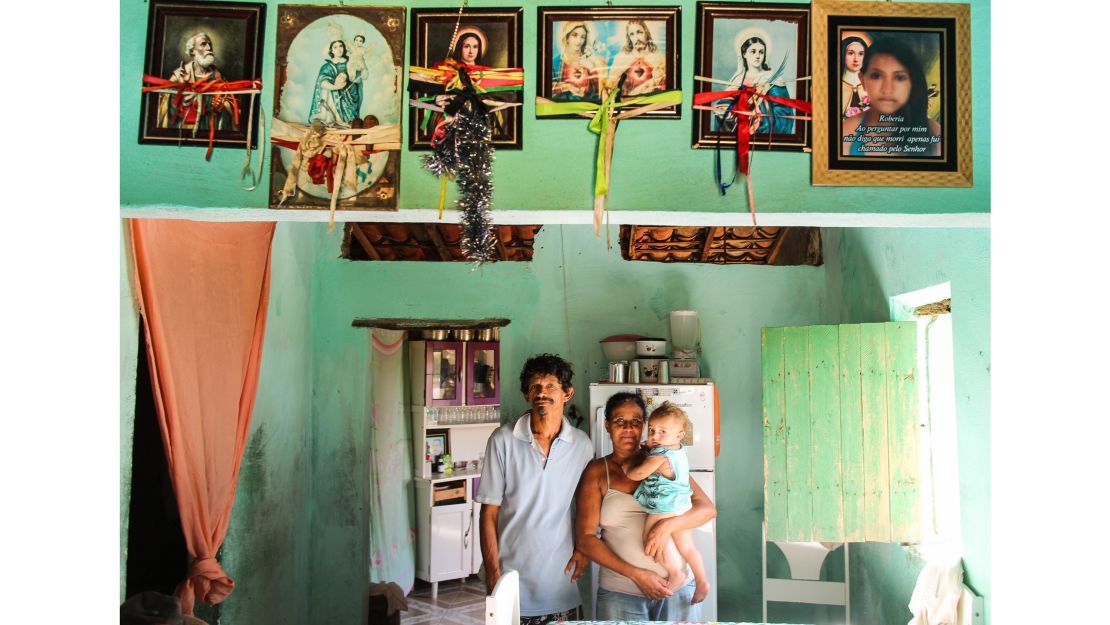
<point>664,491</point>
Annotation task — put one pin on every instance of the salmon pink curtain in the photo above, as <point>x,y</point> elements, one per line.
<point>203,289</point>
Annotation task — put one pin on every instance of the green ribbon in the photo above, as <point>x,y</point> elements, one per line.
<point>600,121</point>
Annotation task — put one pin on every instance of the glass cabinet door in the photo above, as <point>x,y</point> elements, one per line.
<point>483,370</point>
<point>443,360</point>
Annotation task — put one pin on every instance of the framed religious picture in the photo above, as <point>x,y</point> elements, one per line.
<point>585,50</point>
<point>337,107</point>
<point>435,444</point>
<point>891,94</point>
<point>761,46</point>
<point>486,37</point>
<point>210,42</point>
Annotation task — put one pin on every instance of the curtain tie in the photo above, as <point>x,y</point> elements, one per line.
<point>207,581</point>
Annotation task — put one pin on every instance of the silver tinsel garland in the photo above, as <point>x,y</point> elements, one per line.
<point>466,151</point>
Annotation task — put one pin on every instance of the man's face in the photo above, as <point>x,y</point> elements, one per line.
<point>546,396</point>
<point>202,51</point>
<point>637,36</point>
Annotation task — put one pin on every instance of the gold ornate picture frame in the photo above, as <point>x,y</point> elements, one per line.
<point>337,68</point>
<point>891,94</point>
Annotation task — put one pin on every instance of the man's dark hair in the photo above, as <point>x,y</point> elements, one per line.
<point>546,364</point>
<point>622,398</point>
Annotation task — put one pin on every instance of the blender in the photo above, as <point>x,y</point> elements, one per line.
<point>685,331</point>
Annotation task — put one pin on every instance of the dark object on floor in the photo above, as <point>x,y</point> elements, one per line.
<point>150,608</point>
<point>377,615</point>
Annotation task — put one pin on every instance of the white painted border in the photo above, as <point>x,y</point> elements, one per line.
<point>528,217</point>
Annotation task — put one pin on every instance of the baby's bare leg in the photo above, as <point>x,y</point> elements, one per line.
<point>684,542</point>
<point>669,559</point>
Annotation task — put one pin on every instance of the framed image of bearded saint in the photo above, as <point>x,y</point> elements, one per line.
<point>202,41</point>
<point>584,52</point>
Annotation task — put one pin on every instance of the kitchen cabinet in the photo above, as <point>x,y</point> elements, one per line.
<point>455,404</point>
<point>483,368</point>
<point>447,545</point>
<point>437,368</point>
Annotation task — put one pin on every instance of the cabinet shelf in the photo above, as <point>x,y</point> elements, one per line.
<point>457,475</point>
<point>453,426</point>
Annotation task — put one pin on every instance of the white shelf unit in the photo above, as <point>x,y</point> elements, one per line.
<point>447,535</point>
<point>447,545</point>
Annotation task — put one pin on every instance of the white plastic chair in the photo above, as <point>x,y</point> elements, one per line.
<point>503,604</point>
<point>804,585</point>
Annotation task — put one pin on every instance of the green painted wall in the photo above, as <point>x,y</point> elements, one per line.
<point>266,547</point>
<point>554,171</point>
<point>128,362</point>
<point>572,295</point>
<point>866,267</point>
<point>298,543</point>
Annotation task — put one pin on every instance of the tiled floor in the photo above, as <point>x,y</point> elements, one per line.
<point>457,603</point>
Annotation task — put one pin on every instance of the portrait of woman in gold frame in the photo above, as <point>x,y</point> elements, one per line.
<point>891,94</point>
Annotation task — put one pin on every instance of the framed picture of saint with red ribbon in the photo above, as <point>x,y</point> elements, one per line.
<point>490,40</point>
<point>892,94</point>
<point>203,65</point>
<point>751,76</point>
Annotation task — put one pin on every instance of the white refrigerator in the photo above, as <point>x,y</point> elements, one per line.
<point>700,403</point>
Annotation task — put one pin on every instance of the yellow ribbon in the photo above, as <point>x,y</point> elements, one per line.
<point>603,123</point>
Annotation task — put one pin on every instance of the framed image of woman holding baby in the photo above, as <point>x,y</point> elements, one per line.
<point>892,94</point>
<point>337,79</point>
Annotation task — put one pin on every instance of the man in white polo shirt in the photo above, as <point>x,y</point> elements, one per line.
<point>531,470</point>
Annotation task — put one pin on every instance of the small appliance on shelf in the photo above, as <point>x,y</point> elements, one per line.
<point>685,332</point>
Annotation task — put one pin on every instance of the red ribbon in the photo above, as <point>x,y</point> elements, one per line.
<point>321,169</point>
<point>751,100</point>
<point>218,86</point>
<point>743,126</point>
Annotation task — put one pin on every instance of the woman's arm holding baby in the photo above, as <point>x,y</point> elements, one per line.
<point>701,512</point>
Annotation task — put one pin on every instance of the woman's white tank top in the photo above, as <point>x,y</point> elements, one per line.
<point>622,529</point>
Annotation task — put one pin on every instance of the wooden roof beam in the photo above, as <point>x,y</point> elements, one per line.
<point>356,229</point>
<point>710,236</point>
<point>433,233</point>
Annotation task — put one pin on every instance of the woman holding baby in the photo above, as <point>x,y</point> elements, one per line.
<point>633,586</point>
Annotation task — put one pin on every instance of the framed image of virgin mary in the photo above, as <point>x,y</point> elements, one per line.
<point>486,37</point>
<point>337,72</point>
<point>892,94</point>
<point>758,45</point>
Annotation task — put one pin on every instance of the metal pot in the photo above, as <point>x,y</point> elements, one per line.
<point>486,334</point>
<point>434,335</point>
<point>463,335</point>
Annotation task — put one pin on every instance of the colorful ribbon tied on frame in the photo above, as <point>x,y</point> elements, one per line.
<point>604,117</point>
<point>748,106</point>
<point>330,156</point>
<point>488,89</point>
<point>202,103</point>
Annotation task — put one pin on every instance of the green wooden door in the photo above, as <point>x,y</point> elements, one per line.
<point>840,432</point>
